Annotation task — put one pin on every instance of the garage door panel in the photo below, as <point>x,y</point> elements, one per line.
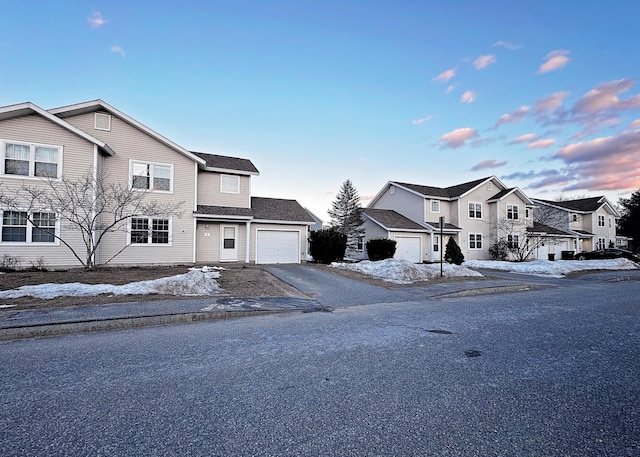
<point>278,246</point>
<point>408,248</point>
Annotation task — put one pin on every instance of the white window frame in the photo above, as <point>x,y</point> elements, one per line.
<point>29,227</point>
<point>600,220</point>
<point>602,243</point>
<point>513,212</point>
<point>477,208</point>
<point>475,239</point>
<point>151,176</point>
<point>435,206</point>
<point>232,184</point>
<point>513,241</point>
<point>149,236</point>
<point>103,117</point>
<point>32,159</point>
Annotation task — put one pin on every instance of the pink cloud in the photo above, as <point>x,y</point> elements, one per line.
<point>96,20</point>
<point>422,120</point>
<point>554,61</point>
<point>446,75</point>
<point>484,61</point>
<point>605,97</point>
<point>550,103</point>
<point>635,124</point>
<point>468,97</point>
<point>485,164</point>
<point>526,138</point>
<point>457,137</point>
<point>516,116</point>
<point>541,144</point>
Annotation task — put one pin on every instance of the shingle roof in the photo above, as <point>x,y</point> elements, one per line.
<point>226,162</point>
<point>443,192</point>
<point>582,204</point>
<point>392,220</point>
<point>276,209</point>
<point>270,209</point>
<point>447,225</point>
<point>542,228</point>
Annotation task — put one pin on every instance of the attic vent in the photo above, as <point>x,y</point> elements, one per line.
<point>489,185</point>
<point>102,122</point>
<point>392,190</point>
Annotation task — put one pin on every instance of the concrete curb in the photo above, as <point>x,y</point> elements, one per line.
<point>491,290</point>
<point>67,328</point>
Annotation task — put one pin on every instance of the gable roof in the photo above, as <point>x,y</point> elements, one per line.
<point>581,205</point>
<point>28,108</point>
<point>100,105</point>
<point>219,163</point>
<point>506,192</point>
<point>443,192</point>
<point>391,220</point>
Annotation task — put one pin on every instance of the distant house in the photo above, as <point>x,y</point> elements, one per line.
<point>221,221</point>
<point>589,223</point>
<point>475,213</point>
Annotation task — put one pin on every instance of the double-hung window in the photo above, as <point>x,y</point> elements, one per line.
<point>151,176</point>
<point>475,210</point>
<point>17,227</point>
<point>600,220</point>
<point>513,241</point>
<point>230,184</point>
<point>150,230</point>
<point>512,212</point>
<point>435,206</point>
<point>27,159</point>
<point>475,240</point>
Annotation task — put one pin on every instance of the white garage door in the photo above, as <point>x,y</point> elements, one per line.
<point>408,248</point>
<point>278,246</point>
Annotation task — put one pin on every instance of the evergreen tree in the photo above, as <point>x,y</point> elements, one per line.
<point>630,221</point>
<point>453,253</point>
<point>346,214</point>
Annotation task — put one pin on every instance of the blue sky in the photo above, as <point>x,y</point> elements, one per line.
<point>542,94</point>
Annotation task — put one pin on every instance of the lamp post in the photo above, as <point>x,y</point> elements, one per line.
<point>441,242</point>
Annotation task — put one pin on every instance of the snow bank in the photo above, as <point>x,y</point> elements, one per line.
<point>557,268</point>
<point>198,281</point>
<point>404,272</point>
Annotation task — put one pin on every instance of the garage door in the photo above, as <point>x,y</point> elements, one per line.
<point>408,248</point>
<point>278,246</point>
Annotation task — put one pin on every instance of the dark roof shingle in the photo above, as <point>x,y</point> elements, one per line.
<point>443,192</point>
<point>226,162</point>
<point>392,220</point>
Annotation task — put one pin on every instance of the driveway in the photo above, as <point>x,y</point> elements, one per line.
<point>336,290</point>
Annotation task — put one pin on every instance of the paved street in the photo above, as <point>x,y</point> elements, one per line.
<point>546,372</point>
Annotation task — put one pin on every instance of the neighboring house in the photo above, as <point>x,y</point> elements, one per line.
<point>220,221</point>
<point>476,214</point>
<point>590,223</point>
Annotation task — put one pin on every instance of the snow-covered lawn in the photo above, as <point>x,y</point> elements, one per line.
<point>405,272</point>
<point>198,281</point>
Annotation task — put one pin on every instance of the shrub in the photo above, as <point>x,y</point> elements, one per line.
<point>499,250</point>
<point>327,245</point>
<point>453,253</point>
<point>381,249</point>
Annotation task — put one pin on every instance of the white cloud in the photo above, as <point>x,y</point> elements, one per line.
<point>541,144</point>
<point>468,97</point>
<point>446,75</point>
<point>526,138</point>
<point>484,61</point>
<point>554,61</point>
<point>457,137</point>
<point>422,120</point>
<point>96,20</point>
<point>485,164</point>
<point>118,50</point>
<point>505,44</point>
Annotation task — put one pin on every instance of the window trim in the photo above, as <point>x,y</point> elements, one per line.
<point>513,241</point>
<point>149,220</point>
<point>437,204</point>
<point>151,165</point>
<point>32,159</point>
<point>29,227</point>
<point>224,190</point>
<point>601,218</point>
<point>475,241</point>
<point>475,210</point>
<point>102,116</point>
<point>514,214</point>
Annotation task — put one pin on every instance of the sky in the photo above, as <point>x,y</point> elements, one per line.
<point>542,94</point>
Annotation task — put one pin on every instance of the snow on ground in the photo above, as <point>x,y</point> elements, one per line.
<point>405,272</point>
<point>198,281</point>
<point>557,268</point>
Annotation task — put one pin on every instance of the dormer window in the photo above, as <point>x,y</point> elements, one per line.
<point>230,184</point>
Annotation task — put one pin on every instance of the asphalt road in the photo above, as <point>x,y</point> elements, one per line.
<point>548,372</point>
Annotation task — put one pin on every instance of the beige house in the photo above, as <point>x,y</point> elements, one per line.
<point>220,221</point>
<point>475,213</point>
<point>589,223</point>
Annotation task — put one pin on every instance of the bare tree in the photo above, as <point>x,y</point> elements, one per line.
<point>87,204</point>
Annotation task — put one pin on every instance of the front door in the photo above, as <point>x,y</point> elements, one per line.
<point>229,243</point>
